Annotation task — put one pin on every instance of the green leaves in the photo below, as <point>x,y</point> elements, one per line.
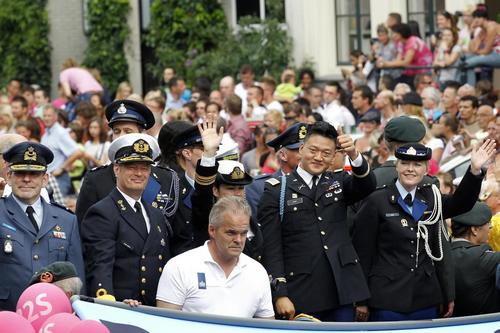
<point>107,35</point>
<point>193,37</point>
<point>24,46</point>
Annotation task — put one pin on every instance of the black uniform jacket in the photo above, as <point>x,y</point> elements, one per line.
<point>385,237</point>
<point>311,246</point>
<point>99,182</point>
<point>181,220</point>
<point>475,275</point>
<point>120,257</point>
<point>203,201</point>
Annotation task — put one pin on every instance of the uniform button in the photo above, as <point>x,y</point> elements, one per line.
<point>323,233</point>
<point>335,199</point>
<point>411,255</point>
<point>320,218</point>
<point>160,269</point>
<point>291,273</point>
<point>325,247</point>
<point>316,204</point>
<point>411,229</point>
<point>143,257</point>
<point>143,268</point>
<point>35,257</point>
<point>412,269</point>
<point>160,257</point>
<point>412,242</point>
<point>294,208</point>
<point>143,280</point>
<point>143,292</point>
<point>187,222</point>
<point>259,257</point>
<point>36,241</point>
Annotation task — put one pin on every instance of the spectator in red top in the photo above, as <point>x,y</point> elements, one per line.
<point>237,126</point>
<point>415,52</point>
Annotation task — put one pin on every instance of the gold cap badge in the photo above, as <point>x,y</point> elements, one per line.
<point>30,154</point>
<point>302,132</point>
<point>236,174</point>
<point>141,147</point>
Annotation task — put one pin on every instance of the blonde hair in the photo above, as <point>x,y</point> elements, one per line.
<point>276,116</point>
<point>6,110</point>
<point>119,91</point>
<point>69,63</point>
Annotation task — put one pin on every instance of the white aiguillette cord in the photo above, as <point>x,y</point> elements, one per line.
<point>435,217</point>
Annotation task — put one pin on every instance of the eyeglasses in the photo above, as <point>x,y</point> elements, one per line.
<point>326,154</point>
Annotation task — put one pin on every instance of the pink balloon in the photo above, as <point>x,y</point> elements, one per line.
<point>12,322</point>
<point>86,326</point>
<point>60,323</point>
<point>41,301</point>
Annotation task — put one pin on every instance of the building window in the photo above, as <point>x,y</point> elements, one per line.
<point>424,13</point>
<point>260,9</point>
<point>353,28</point>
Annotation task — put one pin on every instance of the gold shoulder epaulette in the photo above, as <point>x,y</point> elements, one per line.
<point>273,181</point>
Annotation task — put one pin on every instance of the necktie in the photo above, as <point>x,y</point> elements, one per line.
<point>314,183</point>
<point>140,218</point>
<point>30,211</point>
<point>408,201</point>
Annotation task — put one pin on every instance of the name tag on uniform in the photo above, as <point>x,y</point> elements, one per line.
<point>202,283</point>
<point>59,234</point>
<point>293,202</point>
<point>391,214</point>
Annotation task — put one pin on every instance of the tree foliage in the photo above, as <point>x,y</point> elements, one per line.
<point>193,37</point>
<point>24,42</point>
<point>108,32</point>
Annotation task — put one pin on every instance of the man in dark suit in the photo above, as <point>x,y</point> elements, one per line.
<point>126,241</point>
<point>215,180</point>
<point>125,117</point>
<point>307,247</point>
<point>189,149</point>
<point>33,232</point>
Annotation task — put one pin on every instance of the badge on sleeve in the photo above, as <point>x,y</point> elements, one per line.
<point>202,283</point>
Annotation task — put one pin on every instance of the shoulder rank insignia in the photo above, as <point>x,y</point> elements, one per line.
<point>273,181</point>
<point>122,206</point>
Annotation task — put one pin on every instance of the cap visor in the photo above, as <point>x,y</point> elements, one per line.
<point>132,159</point>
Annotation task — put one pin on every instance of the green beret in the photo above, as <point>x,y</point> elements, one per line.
<point>404,129</point>
<point>479,214</point>
<point>60,270</point>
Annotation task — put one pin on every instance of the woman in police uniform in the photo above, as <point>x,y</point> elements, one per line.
<point>401,241</point>
<point>475,263</point>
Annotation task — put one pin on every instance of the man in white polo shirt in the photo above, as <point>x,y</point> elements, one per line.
<point>217,278</point>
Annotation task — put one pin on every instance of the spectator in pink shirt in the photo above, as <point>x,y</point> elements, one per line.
<point>237,126</point>
<point>415,52</point>
<point>77,79</point>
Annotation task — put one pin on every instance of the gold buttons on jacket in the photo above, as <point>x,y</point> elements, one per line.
<point>325,247</point>
<point>143,257</point>
<point>160,257</point>
<point>320,218</point>
<point>143,292</point>
<point>143,268</point>
<point>323,233</point>
<point>160,269</point>
<point>35,257</point>
<point>143,280</point>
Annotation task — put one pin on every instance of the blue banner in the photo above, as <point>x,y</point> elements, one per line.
<point>121,318</point>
